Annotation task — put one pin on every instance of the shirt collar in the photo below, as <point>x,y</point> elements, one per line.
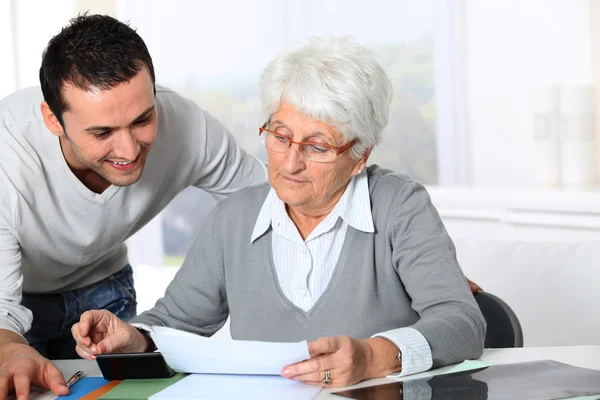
<point>357,212</point>
<point>264,216</point>
<point>354,207</point>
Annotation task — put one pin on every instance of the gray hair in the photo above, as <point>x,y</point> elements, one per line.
<point>333,80</point>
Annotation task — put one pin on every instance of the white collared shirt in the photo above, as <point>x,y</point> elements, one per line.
<point>304,267</point>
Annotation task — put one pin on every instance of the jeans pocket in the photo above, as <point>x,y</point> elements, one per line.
<point>124,281</point>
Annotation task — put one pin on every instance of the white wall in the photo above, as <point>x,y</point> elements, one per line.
<point>512,45</point>
<point>537,250</point>
<point>7,66</point>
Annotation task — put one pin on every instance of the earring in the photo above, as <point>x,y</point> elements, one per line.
<point>358,172</point>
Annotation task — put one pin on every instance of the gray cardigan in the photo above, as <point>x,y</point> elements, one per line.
<point>403,274</point>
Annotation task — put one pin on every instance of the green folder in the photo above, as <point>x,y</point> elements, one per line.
<point>141,388</point>
<point>468,365</point>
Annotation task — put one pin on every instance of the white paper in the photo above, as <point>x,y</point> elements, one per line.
<point>186,352</point>
<point>225,387</point>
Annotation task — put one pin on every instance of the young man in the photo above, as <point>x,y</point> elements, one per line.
<point>82,168</point>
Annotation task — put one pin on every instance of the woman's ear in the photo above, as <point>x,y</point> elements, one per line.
<point>362,163</point>
<point>50,120</point>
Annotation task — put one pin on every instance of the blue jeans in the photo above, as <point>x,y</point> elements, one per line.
<point>55,314</point>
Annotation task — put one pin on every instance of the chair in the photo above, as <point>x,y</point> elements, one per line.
<point>503,327</point>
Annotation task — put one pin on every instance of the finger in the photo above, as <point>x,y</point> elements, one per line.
<point>324,345</point>
<point>4,386</point>
<point>336,376</point>
<point>473,286</point>
<point>314,377</point>
<point>84,352</point>
<point>96,337</point>
<point>80,340</point>
<point>114,342</point>
<point>314,365</point>
<point>22,381</point>
<point>87,320</point>
<point>55,380</point>
<point>90,323</point>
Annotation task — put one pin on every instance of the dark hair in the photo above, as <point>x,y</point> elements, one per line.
<point>92,51</point>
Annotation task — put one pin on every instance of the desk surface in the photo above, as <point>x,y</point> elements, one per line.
<point>581,356</point>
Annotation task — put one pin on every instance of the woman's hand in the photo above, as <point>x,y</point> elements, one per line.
<point>474,287</point>
<point>100,332</point>
<point>348,360</point>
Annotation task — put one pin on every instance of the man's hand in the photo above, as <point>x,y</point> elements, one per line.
<point>101,332</point>
<point>21,366</point>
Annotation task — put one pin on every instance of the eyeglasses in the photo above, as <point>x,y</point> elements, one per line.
<point>313,151</point>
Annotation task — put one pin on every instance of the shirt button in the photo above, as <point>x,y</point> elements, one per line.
<point>304,251</point>
<point>303,293</point>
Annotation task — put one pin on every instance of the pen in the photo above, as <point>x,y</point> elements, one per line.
<point>75,378</point>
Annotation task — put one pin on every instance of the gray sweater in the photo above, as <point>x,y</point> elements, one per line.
<point>57,235</point>
<point>404,274</point>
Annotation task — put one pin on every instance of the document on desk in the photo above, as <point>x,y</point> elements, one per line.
<point>234,387</point>
<point>186,352</point>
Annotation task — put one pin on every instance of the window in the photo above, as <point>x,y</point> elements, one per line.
<point>214,53</point>
<point>21,49</point>
<point>463,73</point>
<point>46,21</point>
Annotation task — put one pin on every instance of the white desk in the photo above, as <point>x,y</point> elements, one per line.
<point>580,356</point>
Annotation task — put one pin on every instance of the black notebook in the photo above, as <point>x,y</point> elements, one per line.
<point>543,380</point>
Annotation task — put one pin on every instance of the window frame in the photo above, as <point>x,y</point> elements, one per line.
<point>451,123</point>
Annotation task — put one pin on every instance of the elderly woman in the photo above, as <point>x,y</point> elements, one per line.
<point>353,258</point>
